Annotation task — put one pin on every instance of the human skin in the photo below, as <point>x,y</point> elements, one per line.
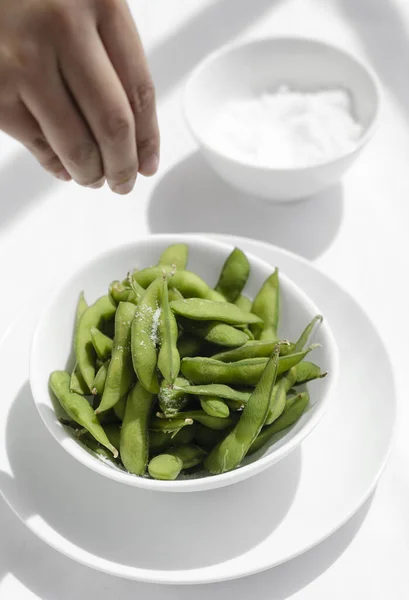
<point>76,90</point>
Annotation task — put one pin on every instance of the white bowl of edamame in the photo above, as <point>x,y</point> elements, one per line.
<point>178,363</point>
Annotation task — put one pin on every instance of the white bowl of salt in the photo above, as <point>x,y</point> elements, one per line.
<point>282,118</point>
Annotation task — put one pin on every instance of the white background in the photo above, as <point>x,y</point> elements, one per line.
<point>358,233</point>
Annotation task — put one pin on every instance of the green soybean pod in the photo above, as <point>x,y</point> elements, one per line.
<point>252,349</point>
<point>189,454</point>
<point>176,254</point>
<point>78,408</point>
<point>97,449</point>
<point>81,308</point>
<point>187,418</point>
<point>278,400</point>
<point>243,303</point>
<point>119,408</point>
<point>171,426</point>
<point>77,383</point>
<point>134,438</point>
<point>165,467</point>
<point>100,379</point>
<point>214,389</point>
<point>229,453</point>
<point>102,344</point>
<point>307,371</point>
<point>144,336</point>
<point>203,370</point>
<point>209,421</point>
<point>295,407</point>
<point>168,356</point>
<point>189,284</point>
<point>215,332</point>
<point>95,315</point>
<point>303,339</point>
<point>215,407</point>
<point>174,294</point>
<point>200,309</point>
<point>172,398</point>
<point>120,373</point>
<point>266,305</point>
<point>234,275</point>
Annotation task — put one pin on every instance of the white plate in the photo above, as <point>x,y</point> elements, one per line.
<point>219,534</point>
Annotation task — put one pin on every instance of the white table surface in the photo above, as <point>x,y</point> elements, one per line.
<point>358,233</point>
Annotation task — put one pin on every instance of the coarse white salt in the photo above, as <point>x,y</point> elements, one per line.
<point>288,129</point>
<point>155,325</point>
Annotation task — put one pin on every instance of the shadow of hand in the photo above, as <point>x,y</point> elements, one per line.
<point>192,198</point>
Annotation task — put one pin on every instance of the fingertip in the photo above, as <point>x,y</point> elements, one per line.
<point>63,175</point>
<point>149,165</point>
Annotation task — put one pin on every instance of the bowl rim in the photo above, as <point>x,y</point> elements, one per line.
<point>232,47</point>
<point>187,485</point>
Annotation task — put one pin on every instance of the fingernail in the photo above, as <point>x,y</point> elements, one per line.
<point>63,175</point>
<point>123,188</point>
<point>98,184</point>
<point>149,165</point>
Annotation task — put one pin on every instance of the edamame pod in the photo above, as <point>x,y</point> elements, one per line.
<point>303,339</point>
<point>100,379</point>
<point>202,370</point>
<point>77,383</point>
<point>78,409</point>
<point>295,407</point>
<point>266,305</point>
<point>243,303</point>
<point>102,344</point>
<point>189,284</point>
<point>278,399</point>
<point>254,349</point>
<point>234,275</point>
<point>215,332</point>
<point>215,407</point>
<point>307,371</point>
<point>168,466</point>
<point>176,254</point>
<point>144,336</point>
<point>187,418</point>
<point>199,309</point>
<point>119,408</point>
<point>168,356</point>
<point>189,454</point>
<point>165,467</point>
<point>174,294</point>
<point>120,373</point>
<point>134,439</point>
<point>102,310</point>
<point>229,453</point>
<point>212,390</point>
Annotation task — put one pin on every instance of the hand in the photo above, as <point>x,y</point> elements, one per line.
<point>76,90</point>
